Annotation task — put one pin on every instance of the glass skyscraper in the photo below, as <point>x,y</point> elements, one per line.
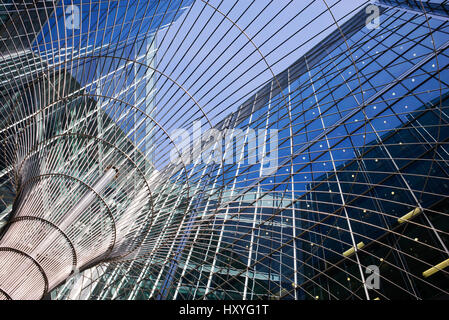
<point>329,182</point>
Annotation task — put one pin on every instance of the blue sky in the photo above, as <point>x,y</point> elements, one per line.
<point>246,71</point>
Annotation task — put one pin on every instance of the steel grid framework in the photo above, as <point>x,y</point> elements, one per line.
<point>95,207</point>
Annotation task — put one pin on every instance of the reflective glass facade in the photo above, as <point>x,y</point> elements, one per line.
<point>333,172</point>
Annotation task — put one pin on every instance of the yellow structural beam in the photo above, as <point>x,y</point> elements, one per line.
<point>350,251</point>
<point>436,268</point>
<point>409,215</point>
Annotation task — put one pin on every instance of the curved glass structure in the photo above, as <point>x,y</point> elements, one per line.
<point>224,150</point>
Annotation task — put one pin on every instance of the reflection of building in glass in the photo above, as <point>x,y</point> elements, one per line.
<point>362,179</point>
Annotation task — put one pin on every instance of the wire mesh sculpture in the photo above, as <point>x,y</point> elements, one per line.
<point>102,201</point>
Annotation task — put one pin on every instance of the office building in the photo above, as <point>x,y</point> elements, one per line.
<point>332,180</point>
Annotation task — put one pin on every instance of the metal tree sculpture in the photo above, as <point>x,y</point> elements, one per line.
<point>347,101</point>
